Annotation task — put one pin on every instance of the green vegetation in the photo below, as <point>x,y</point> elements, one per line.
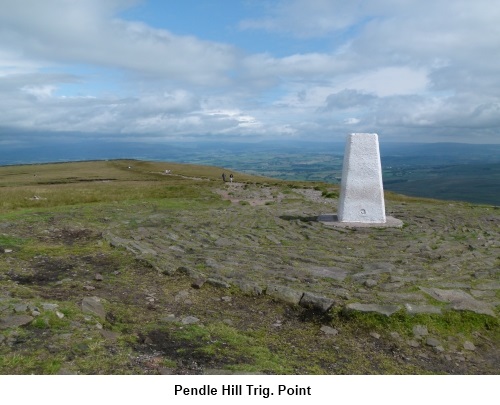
<point>448,324</point>
<point>8,242</point>
<point>40,186</point>
<point>58,222</point>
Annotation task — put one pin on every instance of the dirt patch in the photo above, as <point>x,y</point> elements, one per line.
<point>188,354</point>
<point>70,236</point>
<point>239,193</point>
<point>101,263</point>
<point>44,271</point>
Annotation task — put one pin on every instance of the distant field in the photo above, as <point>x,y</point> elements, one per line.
<point>285,166</point>
<point>461,172</point>
<point>472,182</point>
<point>475,183</point>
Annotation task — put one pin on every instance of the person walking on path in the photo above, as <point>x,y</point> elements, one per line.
<point>224,177</point>
<point>231,177</point>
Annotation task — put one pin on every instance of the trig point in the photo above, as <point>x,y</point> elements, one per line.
<point>361,189</point>
<point>361,202</point>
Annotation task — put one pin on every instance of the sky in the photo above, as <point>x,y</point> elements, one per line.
<point>249,70</point>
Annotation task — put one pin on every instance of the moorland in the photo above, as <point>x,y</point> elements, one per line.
<point>119,267</point>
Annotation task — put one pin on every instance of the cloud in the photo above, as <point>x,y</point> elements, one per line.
<point>309,66</point>
<point>417,38</point>
<point>352,121</point>
<point>44,91</point>
<point>429,63</point>
<point>169,114</point>
<point>348,98</point>
<point>406,69</point>
<point>307,18</point>
<point>89,33</point>
<point>390,81</point>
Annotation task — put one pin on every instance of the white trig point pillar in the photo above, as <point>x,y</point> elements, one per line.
<point>361,189</point>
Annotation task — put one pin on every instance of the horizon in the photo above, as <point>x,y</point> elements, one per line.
<point>441,171</point>
<point>302,70</point>
<point>202,150</point>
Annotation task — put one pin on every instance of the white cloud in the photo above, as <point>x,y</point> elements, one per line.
<point>430,63</point>
<point>85,32</point>
<point>390,81</point>
<point>307,18</point>
<point>352,121</point>
<point>44,91</point>
<point>13,62</point>
<point>383,65</point>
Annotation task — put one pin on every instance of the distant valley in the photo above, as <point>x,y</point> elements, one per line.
<point>448,171</point>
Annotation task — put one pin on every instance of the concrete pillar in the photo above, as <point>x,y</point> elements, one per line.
<point>361,190</point>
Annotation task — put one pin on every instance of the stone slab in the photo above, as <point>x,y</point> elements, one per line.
<point>285,294</point>
<point>109,335</point>
<point>386,310</point>
<point>317,302</point>
<point>93,305</point>
<point>459,300</point>
<point>413,309</point>
<point>328,330</point>
<point>333,220</point>
<point>14,321</point>
<point>334,273</point>
<point>248,287</point>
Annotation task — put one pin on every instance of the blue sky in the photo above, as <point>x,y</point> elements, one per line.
<point>149,71</point>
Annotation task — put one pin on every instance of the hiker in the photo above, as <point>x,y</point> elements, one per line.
<point>231,177</point>
<point>224,177</point>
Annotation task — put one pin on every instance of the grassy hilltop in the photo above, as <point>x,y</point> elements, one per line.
<point>117,267</point>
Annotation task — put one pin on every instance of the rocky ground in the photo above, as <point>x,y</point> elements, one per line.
<point>437,262</point>
<point>146,288</point>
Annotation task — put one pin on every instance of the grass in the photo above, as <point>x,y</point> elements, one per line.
<point>227,345</point>
<point>10,242</point>
<point>28,363</point>
<point>464,323</point>
<point>60,236</point>
<point>41,186</point>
